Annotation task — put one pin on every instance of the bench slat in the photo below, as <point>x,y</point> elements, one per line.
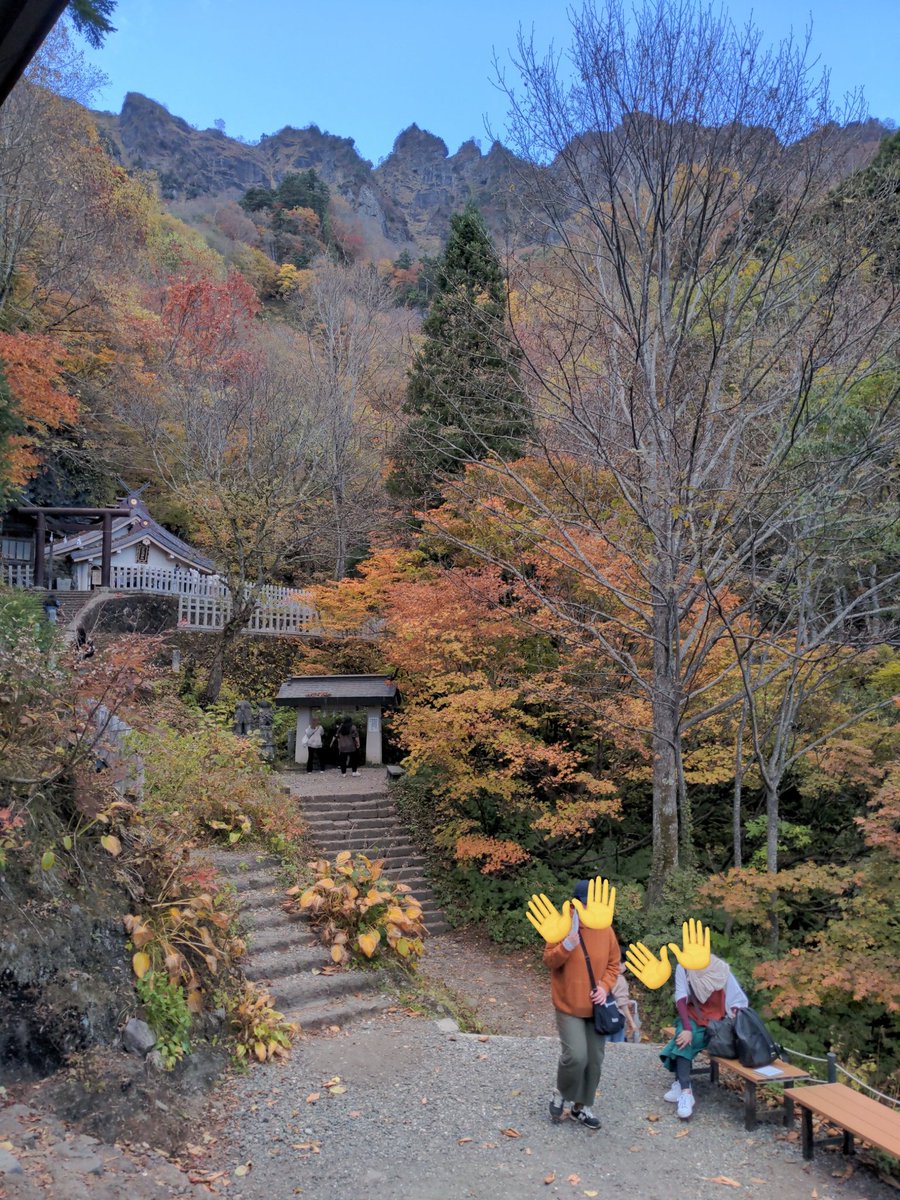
<point>860,1115</point>
<point>788,1070</point>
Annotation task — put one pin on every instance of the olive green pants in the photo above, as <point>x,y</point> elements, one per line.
<point>580,1058</point>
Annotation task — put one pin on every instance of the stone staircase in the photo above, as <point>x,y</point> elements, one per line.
<point>70,605</point>
<point>284,955</point>
<point>359,815</point>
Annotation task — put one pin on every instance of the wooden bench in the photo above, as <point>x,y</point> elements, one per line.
<point>857,1115</point>
<point>787,1077</point>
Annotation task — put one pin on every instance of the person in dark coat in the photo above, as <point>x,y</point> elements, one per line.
<point>347,741</point>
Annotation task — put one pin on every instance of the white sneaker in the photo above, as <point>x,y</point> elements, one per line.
<point>685,1105</point>
<point>673,1095</point>
<point>354,773</point>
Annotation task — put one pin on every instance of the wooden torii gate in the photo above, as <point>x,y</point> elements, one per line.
<point>40,537</point>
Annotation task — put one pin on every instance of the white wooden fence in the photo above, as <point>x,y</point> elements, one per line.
<point>277,610</point>
<point>137,577</point>
<point>17,574</point>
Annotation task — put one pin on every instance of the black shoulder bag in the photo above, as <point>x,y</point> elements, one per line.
<point>608,1017</point>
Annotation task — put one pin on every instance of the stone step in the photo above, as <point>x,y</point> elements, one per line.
<point>236,862</point>
<point>384,839</point>
<point>345,808</point>
<point>389,856</point>
<point>278,963</point>
<point>254,881</point>
<point>292,931</point>
<point>262,897</point>
<point>337,1012</point>
<point>303,987</point>
<point>266,918</point>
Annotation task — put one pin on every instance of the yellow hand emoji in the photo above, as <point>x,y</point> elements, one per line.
<point>601,904</point>
<point>550,924</point>
<point>695,942</point>
<point>653,972</point>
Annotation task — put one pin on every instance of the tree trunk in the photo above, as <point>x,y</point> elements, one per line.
<point>665,757</point>
<point>230,631</point>
<point>736,815</point>
<point>771,827</point>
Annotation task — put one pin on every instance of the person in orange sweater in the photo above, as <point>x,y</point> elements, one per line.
<point>581,1047</point>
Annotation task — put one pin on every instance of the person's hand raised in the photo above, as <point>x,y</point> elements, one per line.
<point>653,972</point>
<point>552,925</point>
<point>601,904</point>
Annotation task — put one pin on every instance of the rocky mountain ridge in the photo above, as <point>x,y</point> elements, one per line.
<point>406,200</point>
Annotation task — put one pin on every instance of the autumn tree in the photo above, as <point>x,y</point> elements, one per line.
<point>232,437</point>
<point>464,398</point>
<point>343,315</point>
<point>697,332</point>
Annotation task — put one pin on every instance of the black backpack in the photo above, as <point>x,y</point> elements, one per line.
<point>755,1045</point>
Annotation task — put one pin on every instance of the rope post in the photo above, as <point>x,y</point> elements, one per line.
<point>831,1060</point>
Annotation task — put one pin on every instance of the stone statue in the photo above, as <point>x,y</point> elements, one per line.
<point>243,718</point>
<point>265,724</point>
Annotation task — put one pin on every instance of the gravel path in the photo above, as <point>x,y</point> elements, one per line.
<point>431,1116</point>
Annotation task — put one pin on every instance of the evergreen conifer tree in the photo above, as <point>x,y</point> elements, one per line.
<point>464,395</point>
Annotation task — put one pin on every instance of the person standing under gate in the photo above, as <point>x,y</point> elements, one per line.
<point>314,749</point>
<point>347,741</point>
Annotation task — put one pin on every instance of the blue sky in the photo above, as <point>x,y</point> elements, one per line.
<point>368,70</point>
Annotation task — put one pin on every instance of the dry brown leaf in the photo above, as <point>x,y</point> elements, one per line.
<point>424,1100</point>
<point>484,1039</point>
<point>354,1113</point>
<point>489,1145</point>
<point>652,1116</point>
<point>332,1081</point>
<point>723,1179</point>
<point>243,1169</point>
<point>551,1178</point>
<point>510,1133</point>
<point>337,1091</point>
<point>313,1097</point>
<point>682,1133</point>
<point>462,1141</point>
<point>634,1149</point>
<point>573,1179</point>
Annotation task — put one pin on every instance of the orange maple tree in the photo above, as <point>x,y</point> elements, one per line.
<point>33,364</point>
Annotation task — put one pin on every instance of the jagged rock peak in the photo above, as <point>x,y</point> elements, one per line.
<point>415,141</point>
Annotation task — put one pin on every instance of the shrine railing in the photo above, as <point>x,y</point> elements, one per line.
<point>137,577</point>
<point>17,574</point>
<point>277,610</point>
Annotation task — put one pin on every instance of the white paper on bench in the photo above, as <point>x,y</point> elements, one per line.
<point>769,1071</point>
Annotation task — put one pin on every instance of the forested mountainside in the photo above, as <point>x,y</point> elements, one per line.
<point>408,198</point>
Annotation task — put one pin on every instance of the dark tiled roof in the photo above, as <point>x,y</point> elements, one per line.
<point>86,544</point>
<point>305,690</point>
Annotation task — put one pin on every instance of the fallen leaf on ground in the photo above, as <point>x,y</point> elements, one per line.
<point>510,1133</point>
<point>723,1179</point>
<point>682,1133</point>
<point>332,1081</point>
<point>634,1149</point>
<point>573,1179</point>
<point>590,1193</point>
<point>846,1173</point>
<point>424,1100</point>
<point>489,1145</point>
<point>551,1178</point>
<point>484,1039</point>
<point>337,1091</point>
<point>652,1116</point>
<point>756,1179</point>
<point>354,1113</point>
<point>517,1092</point>
<point>243,1169</point>
<point>313,1097</point>
<point>462,1141</point>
